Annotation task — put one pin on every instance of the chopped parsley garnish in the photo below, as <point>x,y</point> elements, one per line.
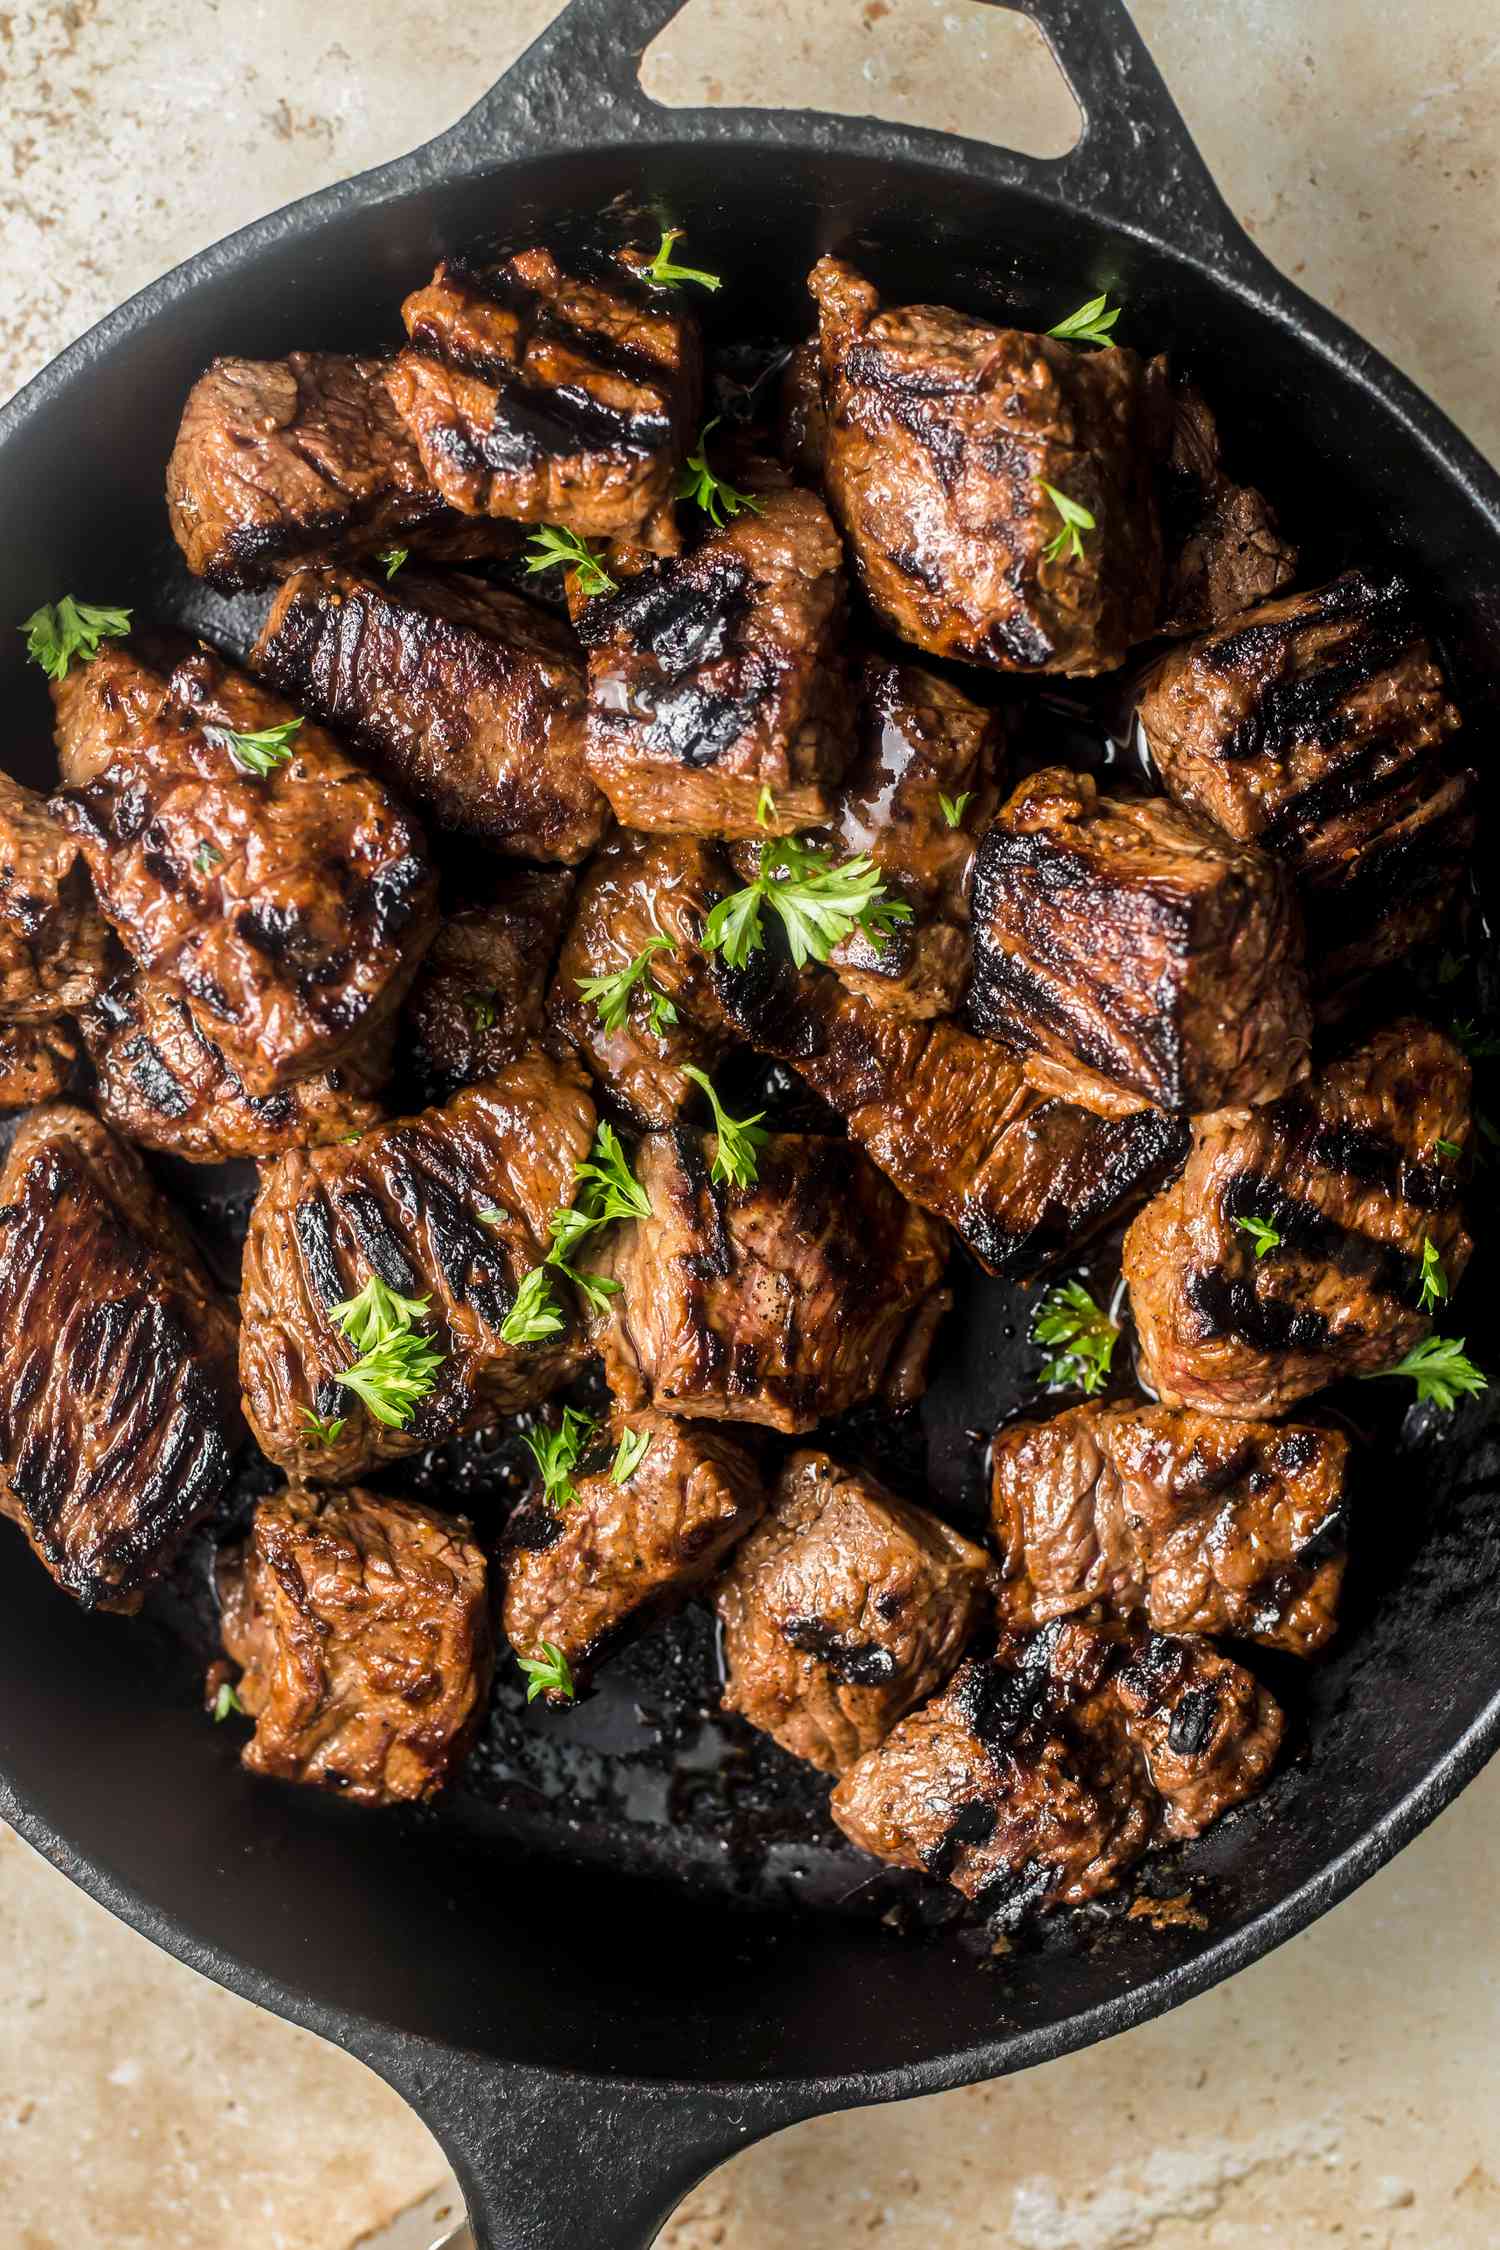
<point>604,1189</point>
<point>818,904</point>
<point>259,753</point>
<point>483,1010</point>
<point>765,808</point>
<point>398,1361</point>
<point>535,1315</point>
<point>558,1452</point>
<point>226,1700</point>
<point>1076,520</point>
<point>206,856</point>
<point>1441,1371</point>
<point>610,996</point>
<point>739,1138</point>
<point>632,1450</point>
<point>393,558</point>
<point>564,550</point>
<point>1091,324</point>
<point>718,500</point>
<point>547,1674</point>
<point>953,807</point>
<point>1447,1148</point>
<point>324,1430</point>
<point>1081,1337</point>
<point>663,273</point>
<point>1478,1044</point>
<point>1434,1280</point>
<point>1262,1234</point>
<point>65,629</point>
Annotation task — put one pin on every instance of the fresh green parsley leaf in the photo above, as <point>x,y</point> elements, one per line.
<point>740,1138</point>
<point>1091,324</point>
<point>1434,1280</point>
<point>260,753</point>
<point>662,273</point>
<point>1447,1148</point>
<point>376,1313</point>
<point>226,1700</point>
<point>547,1673</point>
<point>483,1010</point>
<point>817,903</point>
<point>1262,1234</point>
<point>207,856</point>
<point>564,550</point>
<point>1082,1338</point>
<point>1478,1044</point>
<point>604,1189</point>
<point>558,1452</point>
<point>765,808</point>
<point>324,1431</point>
<point>718,500</point>
<point>63,630</point>
<point>633,1447</point>
<point>610,1189</point>
<point>393,558</point>
<point>1440,1371</point>
<point>610,996</point>
<point>1076,520</point>
<point>953,807</point>
<point>398,1362</point>
<point>535,1314</point>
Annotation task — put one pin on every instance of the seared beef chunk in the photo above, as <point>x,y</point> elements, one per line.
<point>37,1060</point>
<point>719,674</point>
<point>481,991</point>
<point>534,395</point>
<point>944,434</point>
<point>363,1626</point>
<point>288,909</point>
<point>1385,876</point>
<point>283,461</point>
<point>467,698</point>
<point>166,1086</point>
<point>844,1607</point>
<point>1133,953</point>
<point>118,1416</point>
<point>922,742</point>
<point>453,1206</point>
<point>54,943</point>
<point>1348,1174</point>
<point>802,420</point>
<point>638,890</point>
<point>1019,1176</point>
<point>619,1556</point>
<point>1037,1779</point>
<point>812,1291</point>
<point>1224,552</point>
<point>1200,1523</point>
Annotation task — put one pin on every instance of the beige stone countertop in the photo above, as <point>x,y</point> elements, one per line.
<point>1342,2092</point>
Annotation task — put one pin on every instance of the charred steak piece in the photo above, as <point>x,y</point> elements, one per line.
<point>363,1627</point>
<point>452,1206</point>
<point>801,422</point>
<point>535,395</point>
<point>622,1555</point>
<point>37,1062</point>
<point>719,674</point>
<point>118,1415</point>
<point>1197,1522</point>
<point>1385,876</point>
<point>637,892</point>
<point>1018,1175</point>
<point>1132,953</point>
<point>165,1086</point>
<point>54,943</point>
<point>1348,1175</point>
<point>1224,551</point>
<point>843,1608</point>
<point>290,908</point>
<point>1037,1779</point>
<point>284,461</point>
<point>467,698</point>
<point>480,995</point>
<point>944,435</point>
<point>812,1291</point>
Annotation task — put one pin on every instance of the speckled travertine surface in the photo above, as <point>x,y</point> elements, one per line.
<point>1342,2093</point>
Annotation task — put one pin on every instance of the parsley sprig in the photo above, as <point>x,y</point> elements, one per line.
<point>1441,1371</point>
<point>631,1452</point>
<point>1090,324</point>
<point>1263,1236</point>
<point>953,807</point>
<point>564,550</point>
<point>1076,520</point>
<point>765,807</point>
<point>719,501</point>
<point>324,1429</point>
<point>226,1700</point>
<point>664,273</point>
<point>59,631</point>
<point>1080,1336</point>
<point>740,1139</point>
<point>610,996</point>
<point>547,1674</point>
<point>817,903</point>
<point>259,753</point>
<point>483,1009</point>
<point>1433,1279</point>
<point>393,558</point>
<point>604,1189</point>
<point>1477,1042</point>
<point>557,1454</point>
<point>398,1360</point>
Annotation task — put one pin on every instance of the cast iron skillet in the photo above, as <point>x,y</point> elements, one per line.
<point>589,2024</point>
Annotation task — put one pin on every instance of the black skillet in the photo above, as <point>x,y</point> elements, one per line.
<point>586,1973</point>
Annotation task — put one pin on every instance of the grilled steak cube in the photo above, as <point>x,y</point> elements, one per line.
<point>944,435</point>
<point>618,1556</point>
<point>165,1086</point>
<point>118,1414</point>
<point>284,461</point>
<point>1129,949</point>
<point>636,891</point>
<point>719,674</point>
<point>1347,1174</point>
<point>54,943</point>
<point>480,995</point>
<point>545,398</point>
<point>843,1608</point>
<point>812,1291</point>
<point>1036,1780</point>
<point>1200,1523</point>
<point>1384,878</point>
<point>288,909</point>
<point>453,1205</point>
<point>802,422</point>
<point>37,1062</point>
<point>467,698</point>
<point>363,1627</point>
<point>1224,551</point>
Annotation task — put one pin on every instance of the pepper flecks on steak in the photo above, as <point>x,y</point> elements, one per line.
<point>548,399</point>
<point>363,1627</point>
<point>284,461</point>
<point>814,1290</point>
<point>720,673</point>
<point>289,910</point>
<point>1124,947</point>
<point>1198,1523</point>
<point>1347,1172</point>
<point>479,998</point>
<point>467,698</point>
<point>943,434</point>
<point>1038,1778</point>
<point>619,1556</point>
<point>453,1205</point>
<point>118,1414</point>
<point>54,943</point>
<point>843,1608</point>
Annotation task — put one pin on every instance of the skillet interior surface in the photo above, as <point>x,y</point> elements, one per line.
<point>623,1898</point>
